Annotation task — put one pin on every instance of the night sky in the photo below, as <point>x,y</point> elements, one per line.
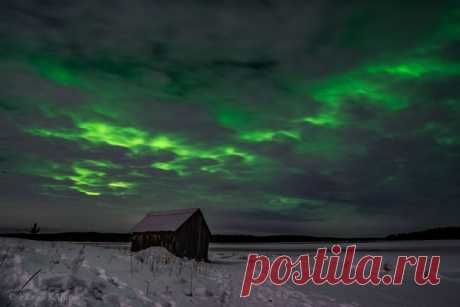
<point>310,117</point>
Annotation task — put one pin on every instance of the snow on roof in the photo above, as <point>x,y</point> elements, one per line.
<point>164,220</point>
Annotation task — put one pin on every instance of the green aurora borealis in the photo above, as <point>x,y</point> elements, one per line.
<point>317,118</point>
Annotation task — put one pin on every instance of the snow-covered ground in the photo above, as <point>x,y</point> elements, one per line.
<point>65,274</point>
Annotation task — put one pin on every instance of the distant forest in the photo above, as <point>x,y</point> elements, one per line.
<point>441,233</point>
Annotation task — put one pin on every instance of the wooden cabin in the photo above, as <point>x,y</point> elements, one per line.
<point>183,232</point>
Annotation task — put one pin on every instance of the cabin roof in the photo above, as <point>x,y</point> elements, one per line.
<point>164,220</point>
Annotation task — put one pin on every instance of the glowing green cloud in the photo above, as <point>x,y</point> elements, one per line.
<point>416,68</point>
<point>268,135</point>
<point>373,84</point>
<point>137,140</point>
<point>175,166</point>
<point>89,177</point>
<point>91,181</point>
<point>120,185</point>
<point>353,86</point>
<point>54,70</point>
<point>325,118</point>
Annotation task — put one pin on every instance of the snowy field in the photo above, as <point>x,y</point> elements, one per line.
<point>66,274</point>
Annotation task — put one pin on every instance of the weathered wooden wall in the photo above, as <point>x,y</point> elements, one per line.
<point>192,238</point>
<point>140,241</point>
